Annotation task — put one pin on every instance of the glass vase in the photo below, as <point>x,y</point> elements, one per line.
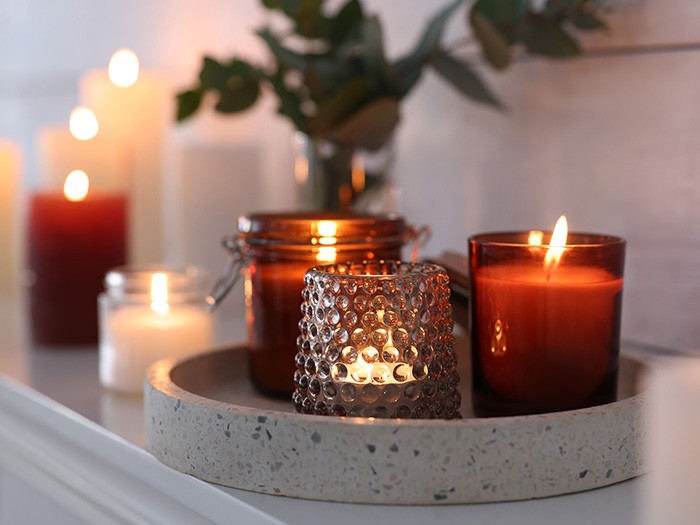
<point>336,177</point>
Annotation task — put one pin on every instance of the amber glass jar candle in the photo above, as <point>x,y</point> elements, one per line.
<point>545,321</point>
<point>275,251</point>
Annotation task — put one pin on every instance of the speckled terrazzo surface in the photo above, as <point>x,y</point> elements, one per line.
<point>203,418</point>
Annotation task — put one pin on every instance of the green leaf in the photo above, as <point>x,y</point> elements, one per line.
<point>409,68</point>
<point>286,56</point>
<point>290,103</point>
<point>288,7</point>
<point>502,13</point>
<point>370,127</point>
<point>545,37</point>
<point>345,22</point>
<point>494,45</point>
<point>239,94</point>
<point>588,22</point>
<point>213,74</point>
<point>309,21</point>
<point>188,103</point>
<point>341,104</point>
<point>575,5</point>
<point>461,76</point>
<point>373,50</point>
<point>432,35</point>
<point>408,72</point>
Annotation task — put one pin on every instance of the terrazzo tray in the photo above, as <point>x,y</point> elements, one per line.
<point>204,418</point>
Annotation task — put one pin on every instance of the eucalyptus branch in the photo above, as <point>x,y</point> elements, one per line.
<point>353,89</point>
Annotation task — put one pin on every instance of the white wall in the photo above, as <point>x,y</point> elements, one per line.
<point>612,142</point>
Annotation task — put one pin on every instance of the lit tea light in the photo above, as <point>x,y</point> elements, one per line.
<point>375,352</point>
<point>145,316</point>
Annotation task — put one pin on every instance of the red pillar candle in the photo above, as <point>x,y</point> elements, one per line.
<point>71,245</point>
<point>545,322</point>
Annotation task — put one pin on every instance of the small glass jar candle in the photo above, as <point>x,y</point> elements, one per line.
<point>376,341</point>
<point>545,321</point>
<point>274,251</point>
<point>148,313</point>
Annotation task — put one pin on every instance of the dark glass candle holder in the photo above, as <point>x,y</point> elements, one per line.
<point>545,322</point>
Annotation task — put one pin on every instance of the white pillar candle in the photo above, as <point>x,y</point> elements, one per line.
<point>138,329</point>
<point>9,184</point>
<point>135,106</point>
<point>106,160</point>
<point>671,489</point>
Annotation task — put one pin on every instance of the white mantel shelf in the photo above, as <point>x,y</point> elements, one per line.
<point>84,447</point>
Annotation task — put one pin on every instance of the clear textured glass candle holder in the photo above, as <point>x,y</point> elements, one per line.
<point>545,331</point>
<point>376,341</point>
<point>148,313</point>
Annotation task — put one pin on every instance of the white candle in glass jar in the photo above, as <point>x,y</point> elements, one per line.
<point>133,335</point>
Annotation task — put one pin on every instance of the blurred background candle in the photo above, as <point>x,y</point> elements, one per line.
<point>9,193</point>
<point>82,145</point>
<point>545,320</point>
<point>133,106</point>
<point>74,237</point>
<point>670,491</point>
<point>146,314</point>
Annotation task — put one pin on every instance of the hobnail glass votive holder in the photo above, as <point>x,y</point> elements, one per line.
<point>376,341</point>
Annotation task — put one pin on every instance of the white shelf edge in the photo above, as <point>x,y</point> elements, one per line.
<point>104,478</point>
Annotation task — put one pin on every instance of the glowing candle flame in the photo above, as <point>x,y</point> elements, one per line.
<point>76,186</point>
<point>327,228</point>
<point>124,68</point>
<point>535,238</point>
<point>326,254</point>
<point>556,245</point>
<point>159,293</point>
<point>83,123</point>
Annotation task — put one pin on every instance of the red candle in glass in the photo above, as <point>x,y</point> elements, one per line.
<point>71,245</point>
<point>545,322</point>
